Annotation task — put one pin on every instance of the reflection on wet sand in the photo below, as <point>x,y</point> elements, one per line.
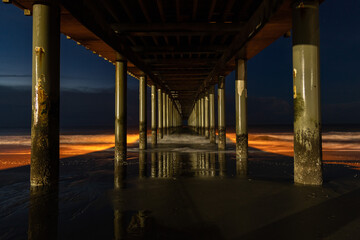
<point>176,201</point>
<point>241,166</point>
<point>120,173</point>
<point>181,192</point>
<point>43,213</point>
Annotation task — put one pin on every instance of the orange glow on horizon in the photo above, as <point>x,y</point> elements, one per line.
<point>333,153</point>
<point>12,155</point>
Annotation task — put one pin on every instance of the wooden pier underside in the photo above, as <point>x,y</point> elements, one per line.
<point>181,45</point>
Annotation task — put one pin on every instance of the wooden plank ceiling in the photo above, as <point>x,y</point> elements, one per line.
<point>181,45</point>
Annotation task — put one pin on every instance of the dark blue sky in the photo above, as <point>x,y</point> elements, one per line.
<point>87,81</point>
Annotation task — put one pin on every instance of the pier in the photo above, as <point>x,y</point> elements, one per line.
<point>181,50</point>
<point>187,174</point>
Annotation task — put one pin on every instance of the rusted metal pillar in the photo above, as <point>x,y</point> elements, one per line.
<point>142,113</point>
<point>221,113</point>
<point>206,114</point>
<point>44,169</point>
<point>306,74</point>
<point>160,114</point>
<point>212,114</point>
<point>164,112</point>
<point>153,116</point>
<point>120,107</point>
<point>241,109</point>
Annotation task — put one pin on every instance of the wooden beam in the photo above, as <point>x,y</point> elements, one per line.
<point>86,13</point>
<point>259,18</point>
<point>211,11</point>
<point>168,49</point>
<point>126,9</point>
<point>187,62</point>
<point>228,8</point>
<point>189,27</point>
<point>178,17</point>
<point>195,6</point>
<point>161,10</point>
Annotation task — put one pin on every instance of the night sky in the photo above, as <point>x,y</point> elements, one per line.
<point>87,81</point>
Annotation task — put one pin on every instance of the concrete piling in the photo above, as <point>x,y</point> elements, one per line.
<point>206,114</point>
<point>120,107</point>
<point>212,134</point>
<point>153,116</point>
<point>221,113</point>
<point>44,169</point>
<point>142,113</point>
<point>164,113</point>
<point>160,114</point>
<point>306,76</point>
<point>241,109</point>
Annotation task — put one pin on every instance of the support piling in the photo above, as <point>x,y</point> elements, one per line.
<point>120,108</point>
<point>206,114</point>
<point>160,114</point>
<point>241,109</point>
<point>306,75</point>
<point>212,114</point>
<point>221,113</point>
<point>142,113</point>
<point>164,112</point>
<point>44,168</point>
<point>153,116</point>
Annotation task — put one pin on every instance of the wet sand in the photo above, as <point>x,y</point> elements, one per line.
<point>183,189</point>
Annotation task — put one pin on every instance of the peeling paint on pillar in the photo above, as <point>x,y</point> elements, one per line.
<point>44,168</point>
<point>153,116</point>
<point>120,108</point>
<point>142,113</point>
<point>221,113</point>
<point>306,74</point>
